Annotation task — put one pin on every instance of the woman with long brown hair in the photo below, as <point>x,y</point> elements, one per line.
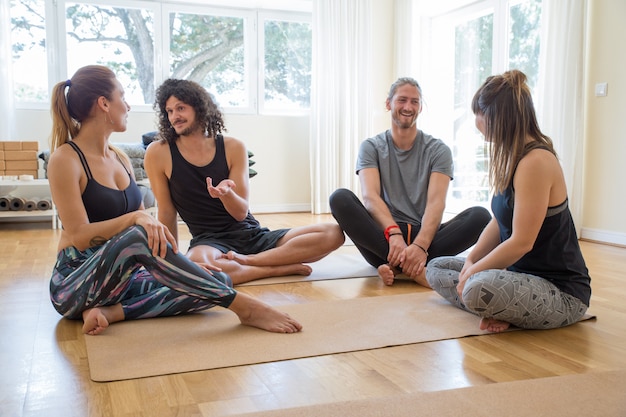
<point>526,269</point>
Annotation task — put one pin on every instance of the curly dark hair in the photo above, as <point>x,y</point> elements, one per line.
<point>208,115</point>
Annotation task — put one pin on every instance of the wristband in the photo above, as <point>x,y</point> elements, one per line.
<point>393,234</point>
<point>388,229</point>
<point>424,250</point>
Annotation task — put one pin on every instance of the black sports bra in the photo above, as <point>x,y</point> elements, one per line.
<point>104,203</point>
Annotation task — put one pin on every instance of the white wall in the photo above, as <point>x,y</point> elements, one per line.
<point>280,146</point>
<point>605,124</point>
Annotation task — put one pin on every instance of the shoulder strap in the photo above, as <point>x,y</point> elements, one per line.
<point>219,145</point>
<point>82,158</point>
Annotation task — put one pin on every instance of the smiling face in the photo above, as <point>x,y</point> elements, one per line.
<point>405,106</point>
<point>181,116</point>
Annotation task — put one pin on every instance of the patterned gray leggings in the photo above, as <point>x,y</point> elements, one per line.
<point>523,300</point>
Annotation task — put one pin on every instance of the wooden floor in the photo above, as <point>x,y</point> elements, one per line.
<point>44,369</point>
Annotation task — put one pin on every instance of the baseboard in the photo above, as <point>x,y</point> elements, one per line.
<point>603,236</point>
<point>280,208</point>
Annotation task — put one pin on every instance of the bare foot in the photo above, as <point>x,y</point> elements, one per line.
<point>284,269</point>
<point>295,269</point>
<point>94,321</point>
<point>493,325</point>
<point>239,258</point>
<point>386,274</point>
<point>97,319</point>
<point>252,312</point>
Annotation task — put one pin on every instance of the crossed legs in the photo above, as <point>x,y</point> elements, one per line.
<point>298,246</point>
<point>101,288</point>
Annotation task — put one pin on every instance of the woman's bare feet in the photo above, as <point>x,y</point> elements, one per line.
<point>492,325</point>
<point>252,312</point>
<point>97,319</point>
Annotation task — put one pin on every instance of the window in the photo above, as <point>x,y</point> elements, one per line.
<point>472,43</point>
<point>146,42</point>
<point>214,50</point>
<point>28,42</point>
<point>118,37</point>
<point>286,65</point>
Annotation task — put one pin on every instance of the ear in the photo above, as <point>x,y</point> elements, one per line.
<point>387,104</point>
<point>103,103</point>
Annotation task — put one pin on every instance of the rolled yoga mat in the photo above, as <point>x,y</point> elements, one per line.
<point>31,204</point>
<point>17,204</point>
<point>5,202</point>
<point>44,204</point>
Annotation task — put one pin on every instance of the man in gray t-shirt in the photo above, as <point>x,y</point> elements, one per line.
<point>404,175</point>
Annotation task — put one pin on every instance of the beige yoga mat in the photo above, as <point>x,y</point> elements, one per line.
<point>336,265</point>
<point>215,339</point>
<point>590,394</point>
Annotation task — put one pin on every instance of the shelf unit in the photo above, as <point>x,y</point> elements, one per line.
<point>28,189</point>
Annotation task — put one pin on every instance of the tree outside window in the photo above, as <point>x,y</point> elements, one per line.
<point>28,47</point>
<point>218,50</point>
<point>287,65</point>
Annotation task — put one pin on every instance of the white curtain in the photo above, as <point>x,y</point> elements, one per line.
<point>340,98</point>
<point>406,28</point>
<point>7,109</point>
<point>560,90</point>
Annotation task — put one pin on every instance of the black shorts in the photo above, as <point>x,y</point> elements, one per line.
<point>245,242</point>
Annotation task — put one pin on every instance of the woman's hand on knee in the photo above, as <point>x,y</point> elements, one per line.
<point>158,234</point>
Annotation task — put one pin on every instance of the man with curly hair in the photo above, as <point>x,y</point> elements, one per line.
<point>201,175</point>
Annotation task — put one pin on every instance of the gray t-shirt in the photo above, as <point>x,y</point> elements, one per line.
<point>404,175</point>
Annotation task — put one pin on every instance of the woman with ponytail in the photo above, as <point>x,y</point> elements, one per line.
<point>526,269</point>
<point>115,261</point>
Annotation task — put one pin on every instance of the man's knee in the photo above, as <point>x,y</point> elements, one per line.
<point>480,216</point>
<point>340,200</point>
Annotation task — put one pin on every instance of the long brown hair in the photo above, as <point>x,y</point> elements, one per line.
<point>70,109</point>
<point>208,114</point>
<point>506,104</point>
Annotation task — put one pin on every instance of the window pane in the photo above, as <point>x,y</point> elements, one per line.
<point>28,42</point>
<point>524,39</point>
<point>210,50</point>
<point>287,68</point>
<point>473,63</point>
<point>119,38</point>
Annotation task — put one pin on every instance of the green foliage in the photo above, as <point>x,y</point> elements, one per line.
<point>288,61</point>
<point>205,48</point>
<point>524,39</point>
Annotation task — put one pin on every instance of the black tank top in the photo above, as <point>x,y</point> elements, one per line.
<point>556,255</point>
<point>201,212</point>
<point>104,203</point>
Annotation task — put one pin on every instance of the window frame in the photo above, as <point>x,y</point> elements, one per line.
<point>295,10</point>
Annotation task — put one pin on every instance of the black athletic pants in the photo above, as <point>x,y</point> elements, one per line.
<point>453,237</point>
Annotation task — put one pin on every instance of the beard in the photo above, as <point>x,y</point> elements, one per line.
<point>186,131</point>
<point>405,122</point>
